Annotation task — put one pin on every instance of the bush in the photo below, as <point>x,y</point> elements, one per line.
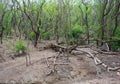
<point>32,35</point>
<point>76,32</point>
<point>115,46</point>
<point>47,35</point>
<point>20,46</point>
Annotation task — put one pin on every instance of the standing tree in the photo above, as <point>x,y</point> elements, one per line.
<point>3,10</point>
<point>33,12</point>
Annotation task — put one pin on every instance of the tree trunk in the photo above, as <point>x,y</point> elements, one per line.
<point>116,17</point>
<point>102,29</point>
<point>1,39</point>
<point>57,39</point>
<point>112,34</point>
<point>87,25</point>
<point>1,35</point>
<point>36,39</point>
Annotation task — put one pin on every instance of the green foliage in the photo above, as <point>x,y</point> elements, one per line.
<point>117,32</point>
<point>47,35</point>
<point>0,29</point>
<point>77,31</point>
<point>20,46</point>
<point>115,46</point>
<point>65,20</point>
<point>50,8</point>
<point>32,35</point>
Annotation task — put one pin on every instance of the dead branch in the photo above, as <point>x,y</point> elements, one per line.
<point>106,41</point>
<point>113,69</point>
<point>62,48</point>
<point>99,62</point>
<point>107,53</point>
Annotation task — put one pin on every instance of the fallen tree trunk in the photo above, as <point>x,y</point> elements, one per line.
<point>62,48</point>
<point>107,53</point>
<point>96,60</point>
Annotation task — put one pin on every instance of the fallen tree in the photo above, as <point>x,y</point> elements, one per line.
<point>97,61</point>
<point>62,48</point>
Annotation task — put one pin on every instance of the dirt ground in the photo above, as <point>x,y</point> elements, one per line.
<point>78,69</point>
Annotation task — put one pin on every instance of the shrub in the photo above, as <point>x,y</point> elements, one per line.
<point>32,35</point>
<point>115,46</point>
<point>76,32</point>
<point>20,46</point>
<point>47,35</point>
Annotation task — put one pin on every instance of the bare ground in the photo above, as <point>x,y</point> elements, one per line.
<point>79,70</point>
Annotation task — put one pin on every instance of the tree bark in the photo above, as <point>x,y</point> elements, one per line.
<point>36,39</point>
<point>1,35</point>
<point>87,25</point>
<point>102,29</point>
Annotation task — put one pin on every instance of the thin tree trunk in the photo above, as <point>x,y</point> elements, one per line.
<point>102,29</point>
<point>1,35</point>
<point>36,39</point>
<point>87,26</point>
<point>1,39</point>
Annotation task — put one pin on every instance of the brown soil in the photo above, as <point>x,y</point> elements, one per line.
<point>79,70</point>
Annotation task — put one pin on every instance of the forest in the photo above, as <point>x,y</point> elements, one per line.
<point>60,41</point>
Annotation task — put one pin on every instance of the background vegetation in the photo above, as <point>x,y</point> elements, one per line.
<point>75,21</point>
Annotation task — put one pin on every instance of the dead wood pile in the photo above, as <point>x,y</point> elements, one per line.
<point>97,61</point>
